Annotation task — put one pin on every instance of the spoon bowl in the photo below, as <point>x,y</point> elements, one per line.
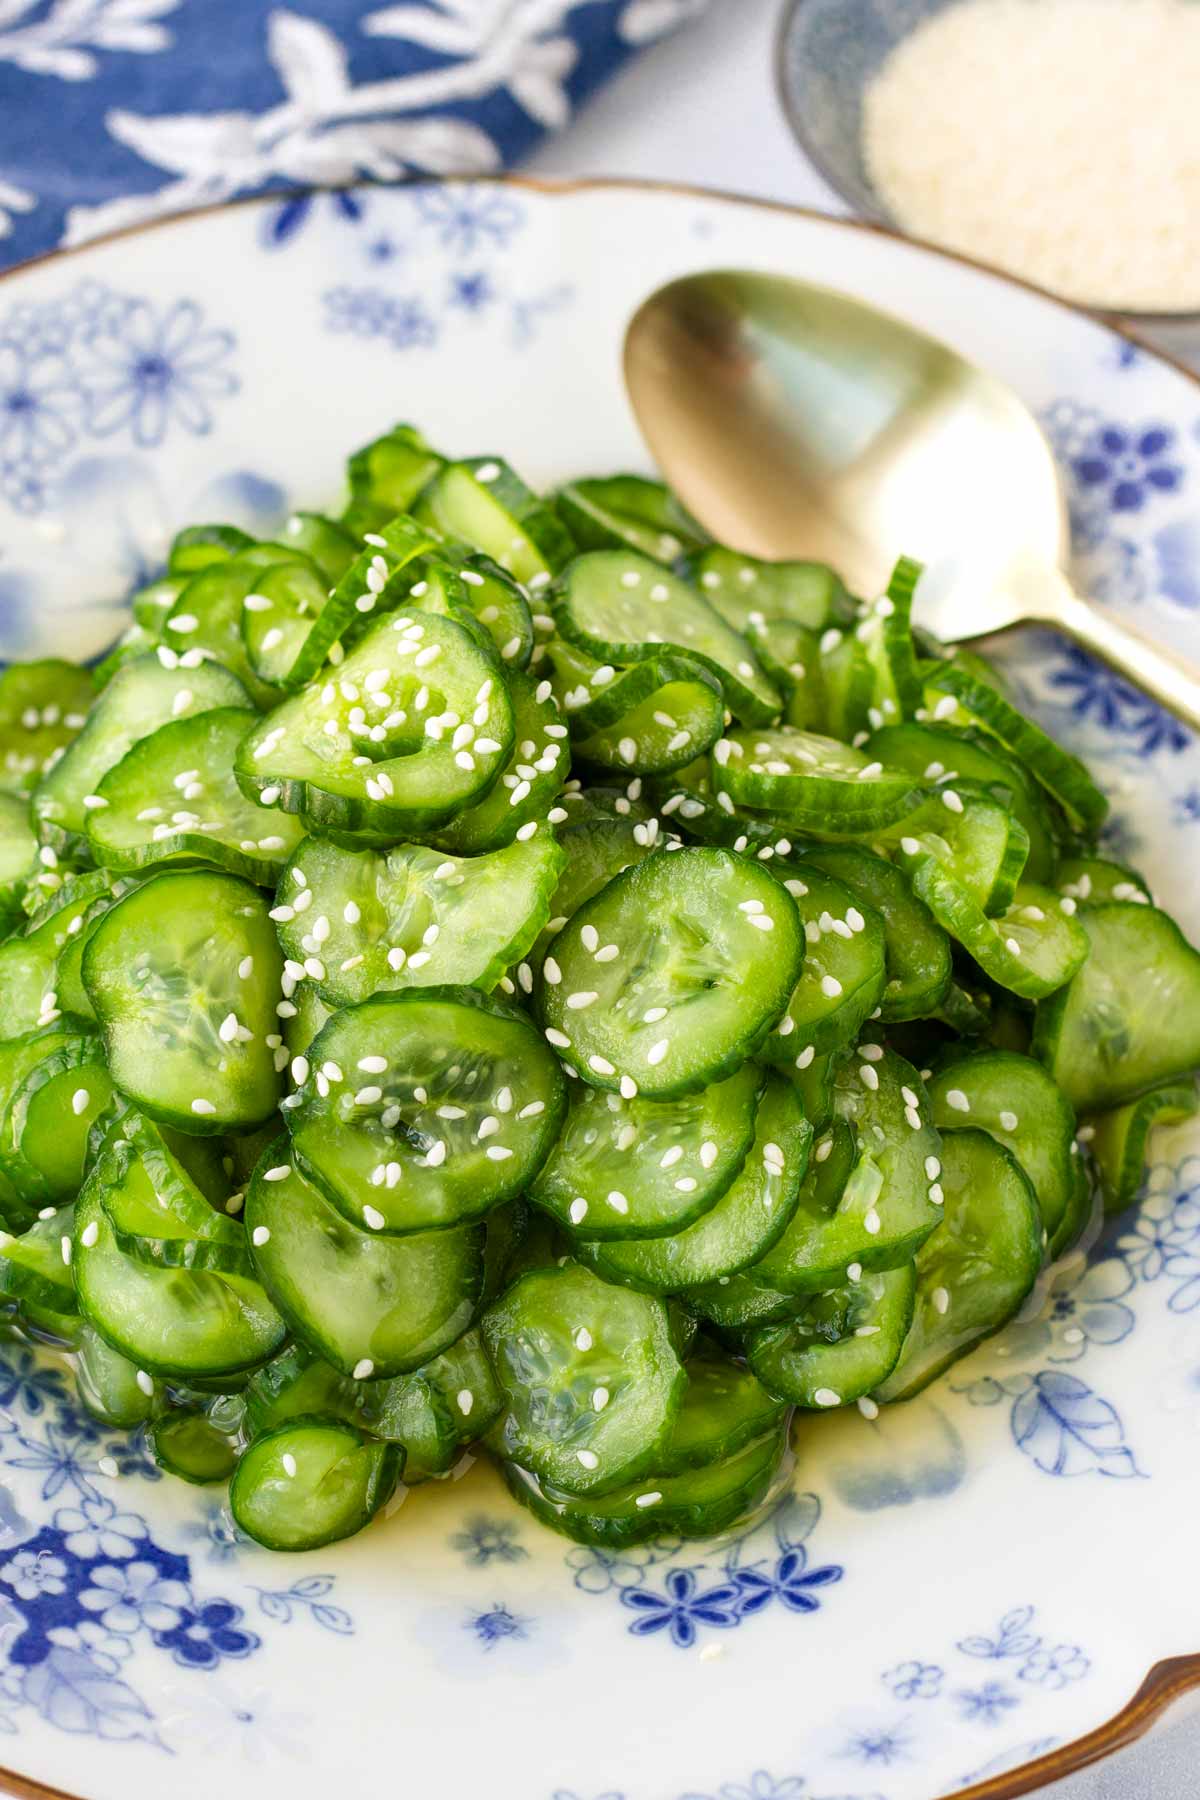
<point>797,421</point>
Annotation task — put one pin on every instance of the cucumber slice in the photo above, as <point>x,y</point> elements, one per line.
<point>483,502</point>
<point>811,1255</point>
<point>1130,1019</point>
<point>1060,773</point>
<point>707,944</point>
<point>108,1385</point>
<point>647,1168</point>
<point>628,512</point>
<point>1032,949</point>
<point>387,474</point>
<point>157,1213</point>
<point>1120,1139</point>
<point>45,1119</point>
<point>979,843</point>
<point>329,545</point>
<point>385,577</point>
<point>698,1503</point>
<point>736,1232</point>
<point>973,1273</point>
<point>814,1084</point>
<point>311,1482</point>
<point>173,798</point>
<point>315,754</point>
<point>198,547</point>
<point>167,969</point>
<point>411,1411</point>
<point>18,852</point>
<point>813,782</point>
<point>168,1322</point>
<point>653,717</point>
<point>413,917</point>
<point>498,602</point>
<point>206,619</point>
<point>537,766</point>
<point>945,754</point>
<point>841,1345</point>
<point>620,607</point>
<point>306,1015</point>
<point>724,1408</point>
<point>33,1269</point>
<point>459,1118</point>
<point>296,1384</point>
<point>30,959</point>
<point>917,961</point>
<point>791,656</point>
<point>1014,1099</point>
<point>591,1382</point>
<point>277,619</point>
<point>371,1306</point>
<point>846,685</point>
<point>747,591</point>
<point>891,1202</point>
<point>143,694</point>
<point>42,707</point>
<point>596,849</point>
<point>1091,880</point>
<point>187,1445</point>
<point>842,981</point>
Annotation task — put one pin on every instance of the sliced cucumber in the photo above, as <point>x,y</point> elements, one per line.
<point>916,949</point>
<point>842,981</point>
<point>182,975</point>
<point>483,502</point>
<point>592,1384</point>
<point>310,1482</point>
<point>316,755</point>
<point>525,794</point>
<point>43,705</point>
<point>143,694</point>
<point>371,1306</point>
<point>621,607</point>
<point>814,782</point>
<point>413,917</point>
<point>425,1109</point>
<point>188,1445</point>
<point>647,1168</point>
<point>708,947</point>
<point>748,591</point>
<point>1120,1139</point>
<point>628,512</point>
<point>173,798</point>
<point>1014,1099</point>
<point>1130,1019</point>
<point>841,1345</point>
<point>736,1232</point>
<point>975,1271</point>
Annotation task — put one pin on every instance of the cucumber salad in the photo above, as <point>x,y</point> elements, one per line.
<point>500,970</point>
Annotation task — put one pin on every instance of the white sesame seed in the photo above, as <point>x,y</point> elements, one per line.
<point>497,1153</point>
<point>958,1100</point>
<point>145,1382</point>
<point>867,1407</point>
<point>89,1234</point>
<point>300,1070</point>
<point>831,987</point>
<point>657,1051</point>
<point>373,1218</point>
<point>826,1397</point>
<point>1009,1121</point>
<point>868,1076</point>
<point>651,1499</point>
<point>936,1196</point>
<point>203,1106</point>
<point>260,1235</point>
<point>910,846</point>
<point>872,1221</point>
<point>952,800</point>
<point>578,1211</point>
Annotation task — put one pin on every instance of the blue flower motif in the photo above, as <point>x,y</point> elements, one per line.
<point>761,1786</point>
<point>284,222</point>
<point>1091,1312</point>
<point>790,1581</point>
<point>1096,693</point>
<point>1013,1638</point>
<point>370,313</point>
<point>216,1530</point>
<point>28,1382</point>
<point>39,404</point>
<point>155,369</point>
<point>602,1571</point>
<point>681,1608</point>
<point>915,1680</point>
<point>484,1540</point>
<point>986,1705</point>
<point>467,218</point>
<point>96,1529</point>
<point>1186,807</point>
<point>32,1573</point>
<point>472,292</point>
<point>1129,465</point>
<point>127,1596</point>
<point>62,1460</point>
<point>1055,1668</point>
<point>204,1634</point>
<point>886,1745</point>
<point>497,1624</point>
<point>1164,1240</point>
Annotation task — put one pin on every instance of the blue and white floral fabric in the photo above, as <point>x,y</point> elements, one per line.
<point>113,112</point>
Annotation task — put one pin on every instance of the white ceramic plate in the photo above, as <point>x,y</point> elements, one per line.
<point>985,1574</point>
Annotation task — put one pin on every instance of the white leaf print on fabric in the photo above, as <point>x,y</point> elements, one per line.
<point>644,20</point>
<point>13,200</point>
<point>63,40</point>
<point>325,131</point>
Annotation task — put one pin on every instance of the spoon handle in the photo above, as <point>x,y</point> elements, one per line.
<point>1170,679</point>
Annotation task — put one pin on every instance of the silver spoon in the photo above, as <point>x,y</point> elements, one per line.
<point>796,421</point>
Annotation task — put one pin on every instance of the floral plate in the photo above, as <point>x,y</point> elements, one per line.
<point>938,1599</point>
